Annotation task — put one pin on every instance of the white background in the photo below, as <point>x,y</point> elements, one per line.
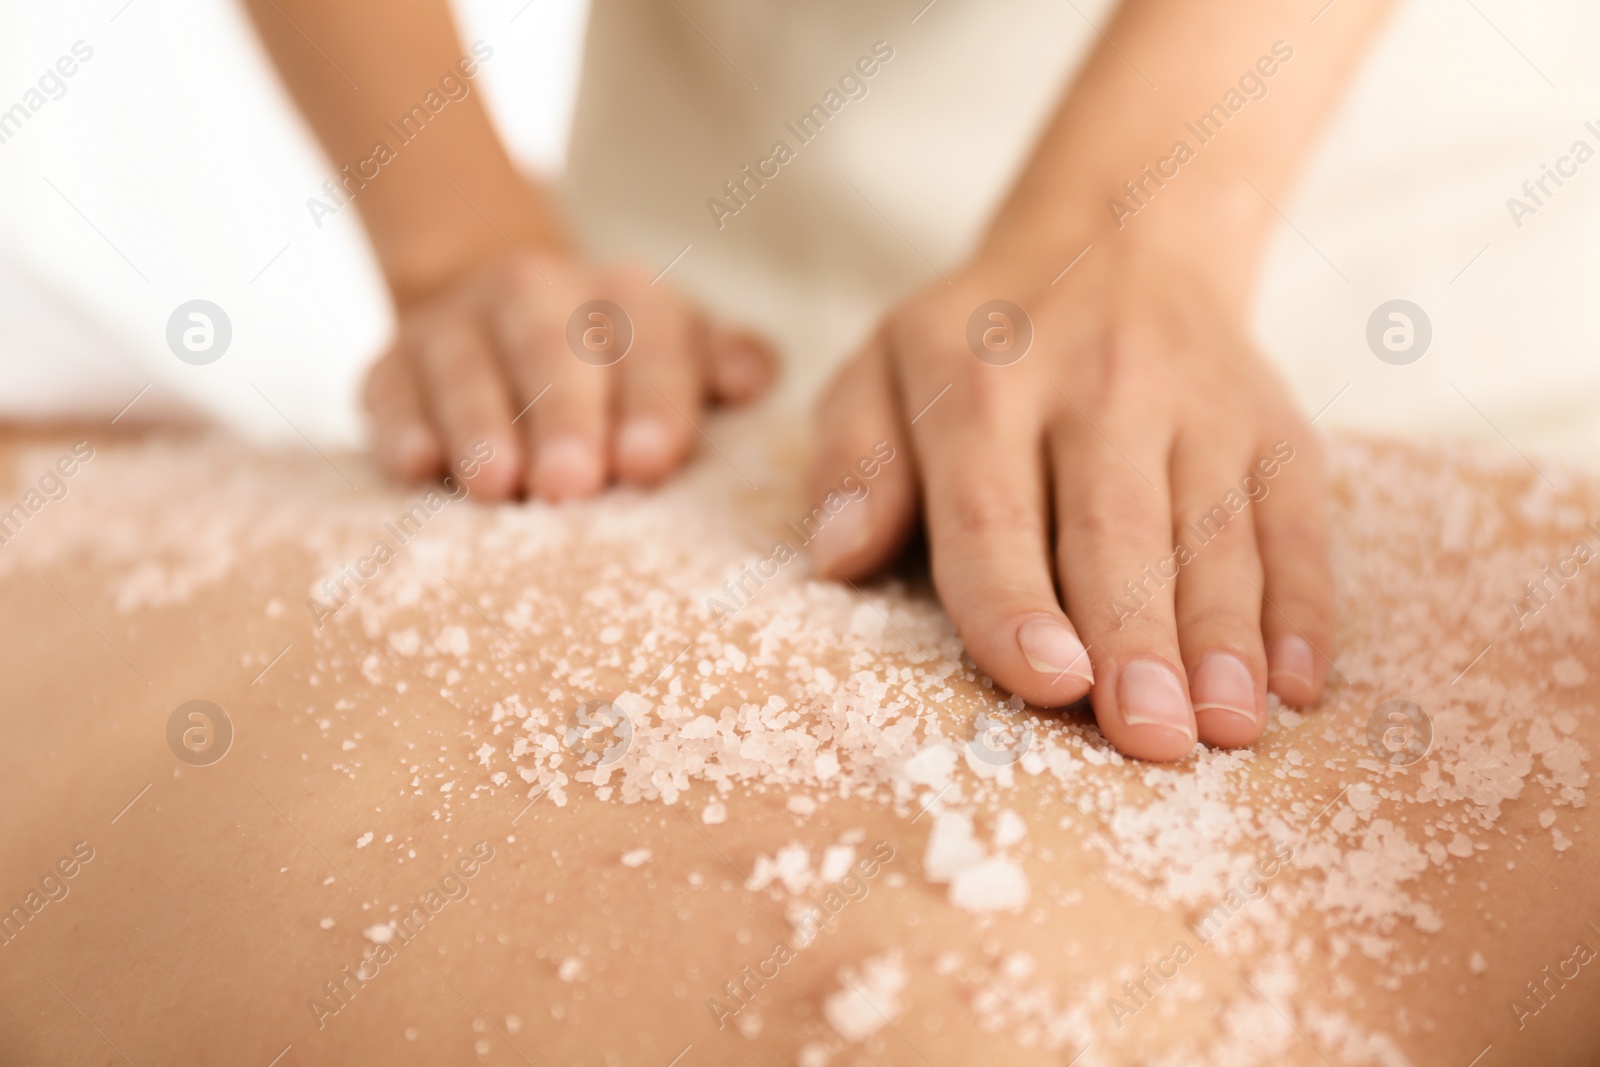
<point>190,167</point>
<point>174,168</point>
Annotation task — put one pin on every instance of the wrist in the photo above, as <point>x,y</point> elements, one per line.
<point>425,244</point>
<point>1214,228</point>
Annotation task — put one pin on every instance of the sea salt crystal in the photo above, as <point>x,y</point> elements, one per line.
<point>1569,672</point>
<point>995,884</point>
<point>637,857</point>
<point>791,866</point>
<point>570,968</point>
<point>814,1054</point>
<point>836,862</point>
<point>1009,829</point>
<point>364,840</point>
<point>326,924</point>
<point>951,847</point>
<point>870,999</point>
<point>931,766</point>
<point>453,641</point>
<point>379,933</point>
<point>714,814</point>
<point>1477,964</point>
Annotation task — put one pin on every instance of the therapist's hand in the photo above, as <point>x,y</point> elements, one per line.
<point>574,376</point>
<point>1057,484</point>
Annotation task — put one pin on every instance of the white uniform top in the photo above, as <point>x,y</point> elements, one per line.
<point>815,239</point>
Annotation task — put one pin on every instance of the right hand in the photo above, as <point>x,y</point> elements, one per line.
<point>1057,488</point>
<point>487,359</point>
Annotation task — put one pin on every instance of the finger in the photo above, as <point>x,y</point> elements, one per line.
<point>862,478</point>
<point>527,318</point>
<point>1291,527</point>
<point>467,400</point>
<point>742,364</point>
<point>572,348</point>
<point>660,388</point>
<point>989,536</point>
<point>405,445</point>
<point>1113,514</point>
<point>1218,602</point>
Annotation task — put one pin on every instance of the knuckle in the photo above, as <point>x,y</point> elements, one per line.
<point>539,337</point>
<point>983,516</point>
<point>1123,374</point>
<point>1107,512</point>
<point>1304,533</point>
<point>1230,625</point>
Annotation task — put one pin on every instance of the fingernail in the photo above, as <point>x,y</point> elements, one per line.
<point>643,440</point>
<point>1223,683</point>
<point>1151,695</point>
<point>1291,656</point>
<point>842,535</point>
<point>567,466</point>
<point>1052,648</point>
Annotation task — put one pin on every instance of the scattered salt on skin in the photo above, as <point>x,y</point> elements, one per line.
<point>791,866</point>
<point>895,722</point>
<point>836,862</point>
<point>994,884</point>
<point>1009,829</point>
<point>326,924</point>
<point>364,840</point>
<point>637,857</point>
<point>952,847</point>
<point>1569,672</point>
<point>869,999</point>
<point>379,933</point>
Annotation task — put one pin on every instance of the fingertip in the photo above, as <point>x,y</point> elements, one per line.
<point>647,450</point>
<point>857,526</point>
<point>743,366</point>
<point>1227,705</point>
<point>566,468</point>
<point>1059,665</point>
<point>1293,674</point>
<point>411,454</point>
<point>498,477</point>
<point>1151,717</point>
<point>839,544</point>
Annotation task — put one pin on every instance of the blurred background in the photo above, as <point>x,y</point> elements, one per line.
<point>172,167</point>
<point>175,167</point>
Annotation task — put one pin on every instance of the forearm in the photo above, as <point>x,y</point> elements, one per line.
<point>438,194</point>
<point>1196,160</point>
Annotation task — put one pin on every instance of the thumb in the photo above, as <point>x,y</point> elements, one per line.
<point>863,482</point>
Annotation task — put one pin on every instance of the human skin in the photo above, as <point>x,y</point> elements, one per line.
<point>1044,485</point>
<point>484,279</point>
<point>194,935</point>
<point>1048,483</point>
